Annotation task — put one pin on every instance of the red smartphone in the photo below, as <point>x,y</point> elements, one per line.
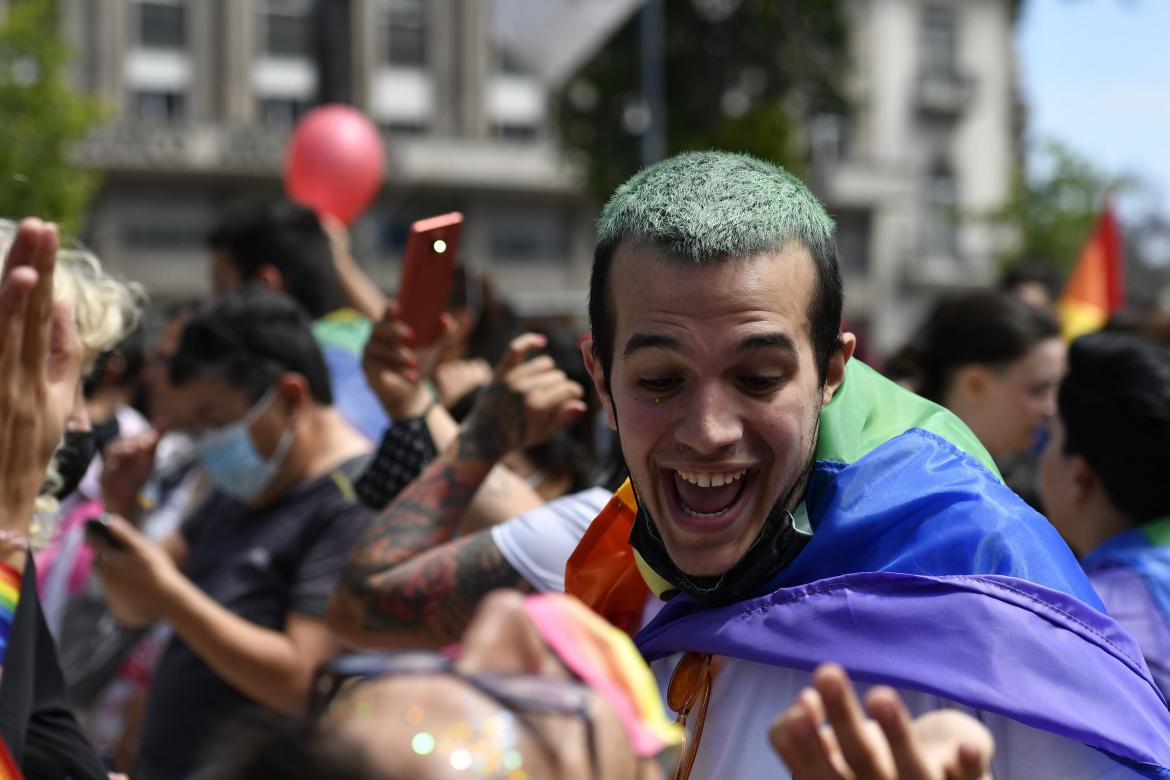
<point>427,270</point>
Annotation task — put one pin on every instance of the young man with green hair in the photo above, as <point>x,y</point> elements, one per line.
<point>788,507</point>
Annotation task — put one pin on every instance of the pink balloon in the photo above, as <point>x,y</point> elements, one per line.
<point>335,162</point>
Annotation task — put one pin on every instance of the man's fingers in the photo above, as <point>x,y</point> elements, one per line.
<point>15,292</point>
<point>533,372</point>
<point>24,245</point>
<point>519,349</point>
<point>390,332</point>
<point>847,719</point>
<point>38,315</point>
<point>392,311</point>
<point>887,709</point>
<point>974,762</point>
<point>390,356</point>
<point>796,737</point>
<point>123,532</point>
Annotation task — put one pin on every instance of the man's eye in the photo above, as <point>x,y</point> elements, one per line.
<point>760,384</point>
<point>658,385</point>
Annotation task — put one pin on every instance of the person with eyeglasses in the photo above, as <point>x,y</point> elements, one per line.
<point>789,506</point>
<point>539,687</point>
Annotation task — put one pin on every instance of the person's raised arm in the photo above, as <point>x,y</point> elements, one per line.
<point>827,735</point>
<point>395,370</point>
<point>404,585</point>
<point>40,374</point>
<point>359,289</point>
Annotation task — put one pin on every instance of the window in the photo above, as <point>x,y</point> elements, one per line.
<point>938,43</point>
<point>853,231</point>
<point>523,237</point>
<point>162,24</point>
<point>159,105</point>
<point>287,28</point>
<point>282,112</point>
<point>940,239</point>
<point>402,32</point>
<point>512,132</point>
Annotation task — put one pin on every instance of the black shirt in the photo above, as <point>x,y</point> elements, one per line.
<point>35,719</point>
<point>262,565</point>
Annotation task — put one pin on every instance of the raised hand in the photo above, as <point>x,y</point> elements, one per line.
<point>826,735</point>
<point>40,368</point>
<point>456,378</point>
<point>126,465</point>
<point>526,403</point>
<point>395,369</point>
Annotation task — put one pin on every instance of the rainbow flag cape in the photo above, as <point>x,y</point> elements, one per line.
<point>1096,288</point>
<point>924,572</point>
<point>8,768</point>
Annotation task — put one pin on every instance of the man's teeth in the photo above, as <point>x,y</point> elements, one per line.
<point>709,479</point>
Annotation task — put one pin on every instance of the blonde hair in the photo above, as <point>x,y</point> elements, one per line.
<point>105,310</point>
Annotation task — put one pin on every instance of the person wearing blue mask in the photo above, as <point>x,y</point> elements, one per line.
<point>245,582</point>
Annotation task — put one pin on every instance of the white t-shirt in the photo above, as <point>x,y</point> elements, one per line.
<point>747,696</point>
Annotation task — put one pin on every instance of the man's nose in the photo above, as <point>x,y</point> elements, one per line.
<point>710,422</point>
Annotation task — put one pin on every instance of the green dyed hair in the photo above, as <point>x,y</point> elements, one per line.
<point>710,207</point>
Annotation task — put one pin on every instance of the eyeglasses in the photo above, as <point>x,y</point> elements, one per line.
<point>690,685</point>
<point>523,693</point>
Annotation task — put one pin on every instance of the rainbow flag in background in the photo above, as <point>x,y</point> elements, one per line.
<point>1096,288</point>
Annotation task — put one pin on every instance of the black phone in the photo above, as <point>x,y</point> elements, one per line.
<point>97,530</point>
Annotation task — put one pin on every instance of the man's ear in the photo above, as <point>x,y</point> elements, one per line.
<point>835,371</point>
<point>271,277</point>
<point>597,374</point>
<point>1084,482</point>
<point>293,389</point>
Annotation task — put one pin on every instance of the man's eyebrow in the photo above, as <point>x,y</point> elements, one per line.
<point>774,340</point>
<point>641,341</point>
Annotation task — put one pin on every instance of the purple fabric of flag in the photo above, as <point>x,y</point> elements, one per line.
<point>1027,659</point>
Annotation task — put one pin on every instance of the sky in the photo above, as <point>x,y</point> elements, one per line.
<point>1096,75</point>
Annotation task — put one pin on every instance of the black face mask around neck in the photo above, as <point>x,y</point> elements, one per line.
<point>777,545</point>
<point>73,460</point>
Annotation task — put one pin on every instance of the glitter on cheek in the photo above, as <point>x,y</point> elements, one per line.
<point>460,759</point>
<point>513,760</point>
<point>423,743</point>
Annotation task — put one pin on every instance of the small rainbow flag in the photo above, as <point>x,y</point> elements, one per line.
<point>9,590</point>
<point>1096,288</point>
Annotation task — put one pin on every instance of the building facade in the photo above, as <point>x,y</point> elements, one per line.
<point>930,146</point>
<point>202,96</point>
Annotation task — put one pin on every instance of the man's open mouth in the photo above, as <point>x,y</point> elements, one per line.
<point>706,500</point>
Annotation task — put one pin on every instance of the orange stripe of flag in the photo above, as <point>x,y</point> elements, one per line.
<point>1096,288</point>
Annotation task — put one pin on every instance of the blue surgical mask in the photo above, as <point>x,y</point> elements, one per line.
<point>231,460</point>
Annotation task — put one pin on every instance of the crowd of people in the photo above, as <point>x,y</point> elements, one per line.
<point>269,534</point>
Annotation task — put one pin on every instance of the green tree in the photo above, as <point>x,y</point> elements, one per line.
<point>740,75</point>
<point>1051,213</point>
<point>41,118</point>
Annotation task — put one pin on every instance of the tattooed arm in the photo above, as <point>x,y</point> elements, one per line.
<point>407,584</point>
<point>394,368</point>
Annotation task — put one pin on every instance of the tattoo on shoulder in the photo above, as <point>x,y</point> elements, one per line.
<point>439,589</point>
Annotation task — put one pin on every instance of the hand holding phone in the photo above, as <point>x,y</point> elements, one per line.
<point>97,531</point>
<point>427,270</point>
